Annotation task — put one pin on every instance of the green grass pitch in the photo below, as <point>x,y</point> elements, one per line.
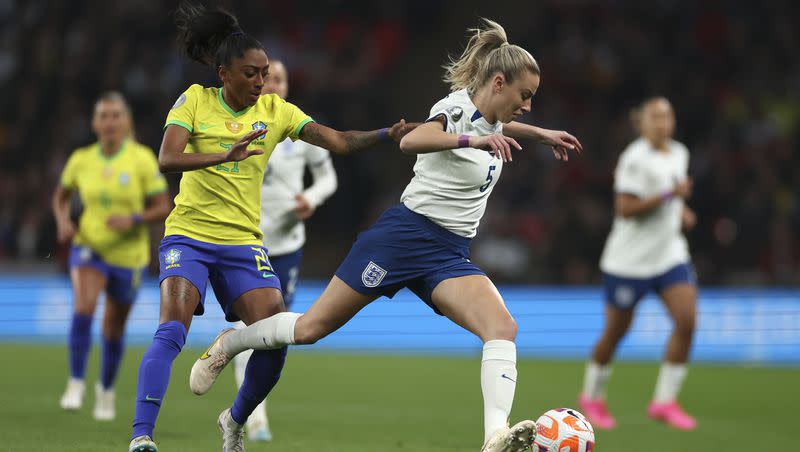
<point>359,403</point>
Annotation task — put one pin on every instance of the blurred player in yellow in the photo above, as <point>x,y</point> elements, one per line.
<point>221,138</point>
<point>121,190</point>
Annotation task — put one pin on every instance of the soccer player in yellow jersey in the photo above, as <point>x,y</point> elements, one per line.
<point>221,138</point>
<point>121,190</point>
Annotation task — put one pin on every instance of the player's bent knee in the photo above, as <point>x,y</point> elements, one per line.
<point>504,328</point>
<point>307,334</point>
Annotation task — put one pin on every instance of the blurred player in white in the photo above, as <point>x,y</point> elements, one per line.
<point>423,242</point>
<point>284,207</point>
<point>646,251</point>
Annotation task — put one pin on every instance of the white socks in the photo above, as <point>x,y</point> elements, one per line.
<point>595,381</point>
<point>267,334</point>
<point>498,382</point>
<point>670,380</point>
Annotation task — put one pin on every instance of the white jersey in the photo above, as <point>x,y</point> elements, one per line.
<point>452,187</point>
<point>648,245</point>
<point>284,233</point>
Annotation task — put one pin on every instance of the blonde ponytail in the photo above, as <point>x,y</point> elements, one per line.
<point>488,52</point>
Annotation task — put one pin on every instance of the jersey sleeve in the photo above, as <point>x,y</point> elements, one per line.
<point>182,112</point>
<point>69,176</point>
<point>451,114</point>
<point>294,121</point>
<point>153,181</point>
<point>630,177</point>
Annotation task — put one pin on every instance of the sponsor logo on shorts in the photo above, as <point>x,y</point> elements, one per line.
<point>373,275</point>
<point>172,257</point>
<point>624,296</point>
<point>84,254</point>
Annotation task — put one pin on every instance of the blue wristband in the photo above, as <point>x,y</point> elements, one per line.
<point>383,134</point>
<point>137,218</point>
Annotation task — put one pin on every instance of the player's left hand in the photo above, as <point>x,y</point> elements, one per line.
<point>120,223</point>
<point>561,142</point>
<point>303,209</point>
<point>401,128</point>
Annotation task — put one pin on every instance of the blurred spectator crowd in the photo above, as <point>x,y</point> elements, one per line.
<point>728,67</point>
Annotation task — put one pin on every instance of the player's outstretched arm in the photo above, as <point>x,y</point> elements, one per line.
<point>561,142</point>
<point>430,137</point>
<point>173,159</point>
<point>353,140</point>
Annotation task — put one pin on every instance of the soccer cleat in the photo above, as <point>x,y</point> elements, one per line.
<point>232,432</point>
<point>597,412</point>
<point>142,444</point>
<point>103,403</point>
<point>257,426</point>
<point>672,414</point>
<point>518,438</point>
<point>73,396</point>
<point>210,364</point>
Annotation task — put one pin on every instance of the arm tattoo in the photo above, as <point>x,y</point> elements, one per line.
<point>338,142</point>
<point>357,140</point>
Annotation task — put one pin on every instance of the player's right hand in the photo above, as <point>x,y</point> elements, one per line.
<point>65,231</point>
<point>239,151</point>
<point>683,189</point>
<point>498,144</point>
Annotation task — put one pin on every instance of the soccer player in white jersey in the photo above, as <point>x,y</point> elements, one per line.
<point>284,207</point>
<point>646,251</point>
<point>423,242</point>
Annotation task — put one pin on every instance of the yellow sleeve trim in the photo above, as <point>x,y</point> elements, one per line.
<point>179,123</point>
<point>300,126</point>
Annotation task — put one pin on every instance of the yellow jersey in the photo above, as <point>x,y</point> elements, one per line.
<point>222,204</point>
<point>116,185</point>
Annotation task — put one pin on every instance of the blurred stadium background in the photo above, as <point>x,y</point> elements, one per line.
<point>730,69</point>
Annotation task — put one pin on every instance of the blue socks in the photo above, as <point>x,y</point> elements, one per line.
<point>112,355</point>
<point>262,373</point>
<point>154,374</point>
<point>80,341</point>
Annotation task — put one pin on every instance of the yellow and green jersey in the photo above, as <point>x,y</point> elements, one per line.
<point>115,185</point>
<point>222,204</point>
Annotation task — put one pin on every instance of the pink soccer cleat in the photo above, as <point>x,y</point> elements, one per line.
<point>672,414</point>
<point>597,412</point>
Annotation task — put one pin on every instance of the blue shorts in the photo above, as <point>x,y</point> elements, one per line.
<point>232,269</point>
<point>625,293</point>
<point>405,249</point>
<point>287,267</point>
<point>122,284</point>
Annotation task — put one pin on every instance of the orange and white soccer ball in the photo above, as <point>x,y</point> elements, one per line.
<point>563,430</point>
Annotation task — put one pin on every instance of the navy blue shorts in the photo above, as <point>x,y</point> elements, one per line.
<point>122,284</point>
<point>625,293</point>
<point>287,267</point>
<point>231,269</point>
<point>405,249</point>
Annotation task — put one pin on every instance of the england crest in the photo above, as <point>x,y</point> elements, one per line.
<point>373,275</point>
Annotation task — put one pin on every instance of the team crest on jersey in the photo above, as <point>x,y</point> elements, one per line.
<point>259,125</point>
<point>234,127</point>
<point>373,275</point>
<point>124,179</point>
<point>181,100</point>
<point>456,113</point>
<point>172,257</point>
